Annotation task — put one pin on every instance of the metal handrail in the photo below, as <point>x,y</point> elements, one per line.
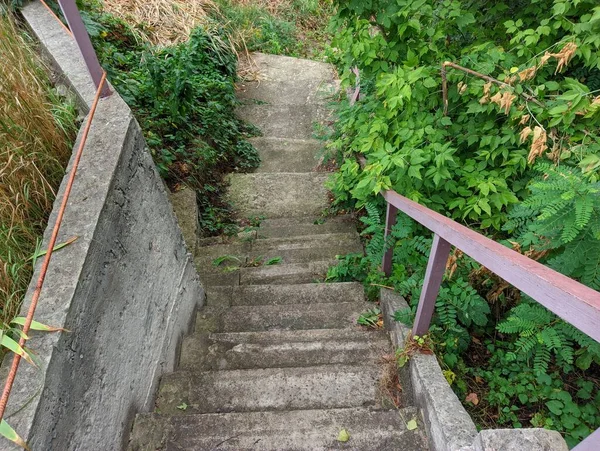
<point>572,301</point>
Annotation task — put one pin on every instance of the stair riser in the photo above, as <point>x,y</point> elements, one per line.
<point>282,155</point>
<point>283,274</point>
<point>285,294</point>
<point>304,229</point>
<point>284,317</point>
<point>284,121</point>
<point>205,355</point>
<point>260,258</point>
<point>304,92</point>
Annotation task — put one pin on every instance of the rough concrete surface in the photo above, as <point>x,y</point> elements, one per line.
<point>126,289</point>
<point>519,440</point>
<point>287,155</point>
<point>327,386</point>
<point>207,352</point>
<point>278,195</point>
<point>286,294</point>
<point>185,208</point>
<point>317,430</point>
<point>284,121</point>
<point>251,318</point>
<point>272,348</point>
<point>62,52</point>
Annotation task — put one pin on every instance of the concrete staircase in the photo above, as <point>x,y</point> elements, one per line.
<point>277,361</point>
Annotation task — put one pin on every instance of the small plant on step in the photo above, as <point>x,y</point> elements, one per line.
<point>414,344</point>
<point>371,318</point>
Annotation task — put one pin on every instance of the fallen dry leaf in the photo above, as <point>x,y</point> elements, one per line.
<point>472,398</point>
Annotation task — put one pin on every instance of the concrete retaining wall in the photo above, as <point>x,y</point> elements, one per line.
<point>126,289</point>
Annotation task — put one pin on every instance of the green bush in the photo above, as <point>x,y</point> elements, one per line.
<point>184,98</point>
<point>517,157</point>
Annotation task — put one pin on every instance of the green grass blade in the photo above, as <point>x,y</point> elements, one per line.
<point>8,432</point>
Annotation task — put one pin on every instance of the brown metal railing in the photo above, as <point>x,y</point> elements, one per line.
<point>574,302</point>
<point>79,33</point>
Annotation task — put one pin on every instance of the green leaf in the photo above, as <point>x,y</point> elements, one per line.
<point>20,320</point>
<point>183,406</point>
<point>343,436</point>
<point>8,432</point>
<point>37,255</point>
<point>12,345</point>
<point>556,407</point>
<point>412,425</point>
<point>274,261</point>
<point>217,261</point>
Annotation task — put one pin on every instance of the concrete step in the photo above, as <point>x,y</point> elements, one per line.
<point>287,155</point>
<point>318,387</point>
<point>204,352</point>
<point>299,92</point>
<point>284,294</point>
<point>291,81</point>
<point>277,195</point>
<point>286,250</point>
<point>288,227</point>
<point>316,430</point>
<point>292,273</point>
<point>277,68</point>
<point>253,318</point>
<point>284,121</point>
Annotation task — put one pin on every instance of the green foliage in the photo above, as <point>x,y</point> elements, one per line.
<point>517,158</point>
<point>562,214</point>
<point>294,28</point>
<point>184,98</point>
<point>370,318</point>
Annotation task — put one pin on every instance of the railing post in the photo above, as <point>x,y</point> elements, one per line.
<point>71,13</point>
<point>436,266</point>
<point>390,220</point>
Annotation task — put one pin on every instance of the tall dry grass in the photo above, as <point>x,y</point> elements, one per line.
<point>36,133</point>
<point>163,22</point>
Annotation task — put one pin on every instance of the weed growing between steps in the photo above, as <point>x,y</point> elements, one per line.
<point>183,95</point>
<point>511,149</point>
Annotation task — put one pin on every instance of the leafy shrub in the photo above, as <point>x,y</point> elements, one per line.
<point>184,98</point>
<point>510,148</point>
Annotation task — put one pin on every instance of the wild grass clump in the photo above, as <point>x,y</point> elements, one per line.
<point>284,27</point>
<point>36,132</point>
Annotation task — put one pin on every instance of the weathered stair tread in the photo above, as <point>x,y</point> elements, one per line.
<point>270,229</point>
<point>303,92</point>
<point>239,247</point>
<point>309,293</point>
<point>284,121</point>
<point>317,387</point>
<point>211,352</point>
<point>277,68</point>
<point>208,257</point>
<point>277,195</point>
<point>292,273</point>
<point>287,155</point>
<point>282,336</point>
<point>307,220</point>
<point>244,318</point>
<point>370,430</point>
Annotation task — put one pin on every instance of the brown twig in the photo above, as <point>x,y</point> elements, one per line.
<point>479,75</point>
